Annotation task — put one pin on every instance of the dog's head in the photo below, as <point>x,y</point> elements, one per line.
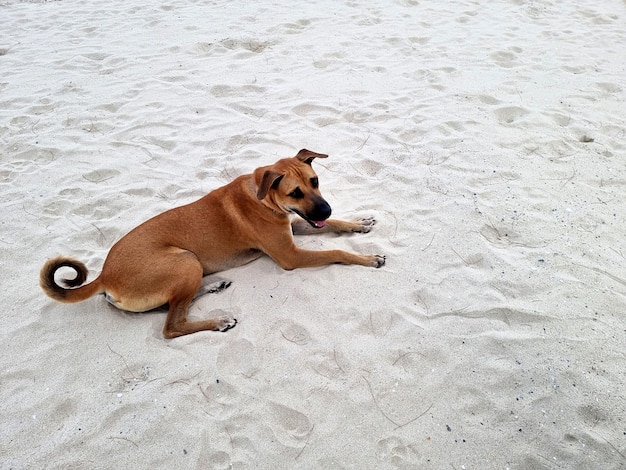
<point>290,186</point>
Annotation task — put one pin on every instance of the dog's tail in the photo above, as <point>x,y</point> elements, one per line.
<point>73,293</point>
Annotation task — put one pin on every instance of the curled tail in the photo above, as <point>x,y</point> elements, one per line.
<point>72,293</point>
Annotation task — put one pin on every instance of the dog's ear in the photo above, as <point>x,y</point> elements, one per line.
<point>307,156</point>
<point>269,179</point>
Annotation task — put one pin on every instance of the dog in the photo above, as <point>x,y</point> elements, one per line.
<point>163,260</point>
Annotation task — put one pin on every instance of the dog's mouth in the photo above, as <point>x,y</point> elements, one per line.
<point>313,223</point>
<point>317,223</point>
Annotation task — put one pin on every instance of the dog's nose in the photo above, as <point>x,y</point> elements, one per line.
<point>321,210</point>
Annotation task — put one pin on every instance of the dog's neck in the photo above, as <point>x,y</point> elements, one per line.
<point>274,211</point>
<point>253,191</point>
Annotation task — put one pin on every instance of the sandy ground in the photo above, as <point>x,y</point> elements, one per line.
<point>487,138</point>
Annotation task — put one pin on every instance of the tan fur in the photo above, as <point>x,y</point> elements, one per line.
<point>163,260</point>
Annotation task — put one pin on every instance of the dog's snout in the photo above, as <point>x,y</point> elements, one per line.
<point>321,211</point>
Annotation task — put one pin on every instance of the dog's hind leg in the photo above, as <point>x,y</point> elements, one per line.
<point>177,324</point>
<point>188,275</point>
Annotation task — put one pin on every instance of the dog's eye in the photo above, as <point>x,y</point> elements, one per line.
<point>315,183</point>
<point>296,194</point>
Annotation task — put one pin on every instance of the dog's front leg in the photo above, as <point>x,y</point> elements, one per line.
<point>302,227</point>
<point>298,258</point>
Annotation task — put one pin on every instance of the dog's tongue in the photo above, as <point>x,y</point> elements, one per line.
<point>319,224</point>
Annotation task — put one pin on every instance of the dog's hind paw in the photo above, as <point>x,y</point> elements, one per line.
<point>218,286</point>
<point>365,225</point>
<point>226,323</point>
<point>212,288</point>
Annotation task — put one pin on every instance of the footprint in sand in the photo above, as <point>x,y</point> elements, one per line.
<point>98,176</point>
<point>290,427</point>
<point>370,167</point>
<point>509,115</point>
<point>295,333</point>
<point>96,56</point>
<point>498,237</point>
<point>335,59</point>
<point>218,461</point>
<point>227,91</point>
<point>309,109</point>
<point>222,399</point>
<point>396,451</point>
<point>488,99</point>
<point>609,88</point>
<point>506,59</point>
<point>239,357</point>
<point>291,28</point>
<point>249,46</point>
<point>330,364</point>
<point>378,323</point>
<point>574,69</point>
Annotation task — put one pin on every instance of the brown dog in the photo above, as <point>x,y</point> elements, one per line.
<point>163,260</point>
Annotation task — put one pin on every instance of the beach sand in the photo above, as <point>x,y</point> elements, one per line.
<point>487,138</point>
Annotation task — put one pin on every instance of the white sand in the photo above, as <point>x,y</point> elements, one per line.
<point>488,138</point>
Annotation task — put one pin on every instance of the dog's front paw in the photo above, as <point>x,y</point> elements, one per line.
<point>378,261</point>
<point>365,225</point>
<point>225,323</point>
